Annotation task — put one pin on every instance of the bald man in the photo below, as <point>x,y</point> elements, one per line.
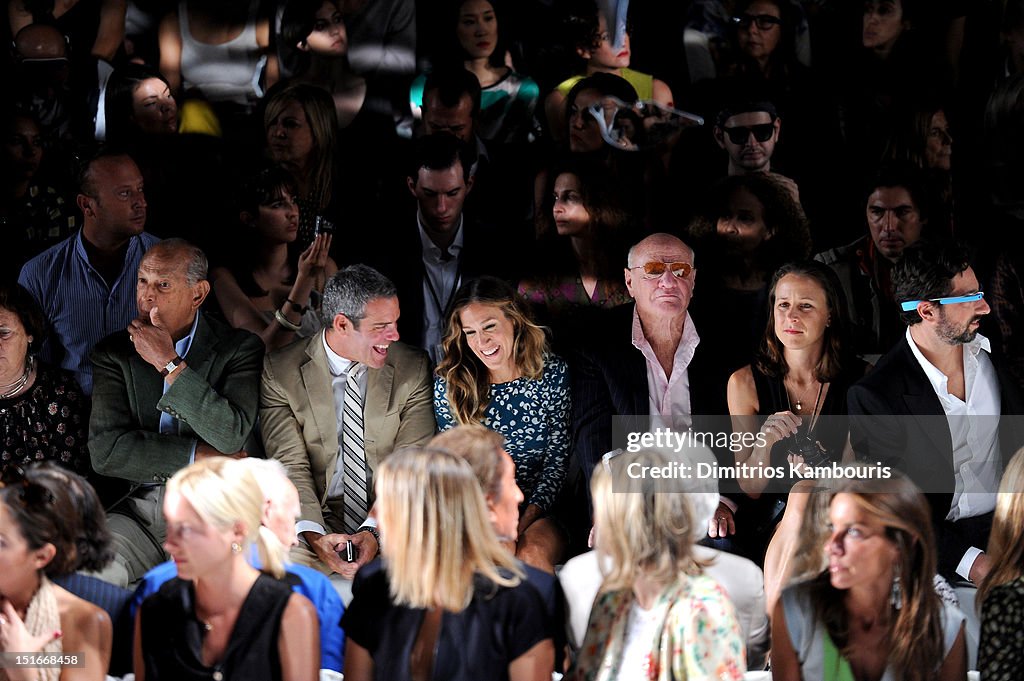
<point>647,363</point>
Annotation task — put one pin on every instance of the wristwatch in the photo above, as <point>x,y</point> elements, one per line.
<point>171,366</point>
<point>372,530</point>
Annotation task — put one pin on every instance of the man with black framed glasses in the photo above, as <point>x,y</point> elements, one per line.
<point>748,132</point>
<point>936,405</point>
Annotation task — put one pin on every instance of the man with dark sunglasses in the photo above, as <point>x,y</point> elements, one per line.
<point>748,131</point>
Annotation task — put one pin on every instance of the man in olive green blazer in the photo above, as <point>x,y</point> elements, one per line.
<point>301,398</point>
<point>173,388</point>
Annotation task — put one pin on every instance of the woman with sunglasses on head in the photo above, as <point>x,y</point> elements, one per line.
<point>497,370</point>
<point>800,375</point>
<point>874,613</point>
<point>221,618</point>
<point>40,535</point>
<point>593,52</point>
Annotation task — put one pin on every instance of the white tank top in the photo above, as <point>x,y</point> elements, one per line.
<point>229,72</point>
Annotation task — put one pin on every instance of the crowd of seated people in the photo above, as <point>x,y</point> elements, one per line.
<point>433,236</point>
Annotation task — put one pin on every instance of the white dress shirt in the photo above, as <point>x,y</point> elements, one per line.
<point>669,395</point>
<point>440,281</point>
<point>974,431</point>
<point>339,367</point>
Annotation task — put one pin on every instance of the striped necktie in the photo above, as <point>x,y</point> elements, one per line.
<point>354,452</point>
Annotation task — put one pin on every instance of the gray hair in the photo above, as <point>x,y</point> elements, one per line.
<point>196,264</point>
<point>270,475</point>
<point>349,291</point>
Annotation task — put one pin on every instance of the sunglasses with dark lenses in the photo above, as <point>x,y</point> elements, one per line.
<point>655,270</point>
<point>739,134</point>
<point>763,21</point>
<point>29,493</point>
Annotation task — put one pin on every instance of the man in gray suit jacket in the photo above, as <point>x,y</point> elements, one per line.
<point>303,408</point>
<point>174,388</point>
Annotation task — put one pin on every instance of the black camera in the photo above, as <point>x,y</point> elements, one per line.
<point>811,450</point>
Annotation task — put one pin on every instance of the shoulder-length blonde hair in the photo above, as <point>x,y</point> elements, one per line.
<point>646,531</point>
<point>1006,541</point>
<point>224,492</point>
<point>437,534</point>
<point>318,106</point>
<point>915,639</point>
<point>469,386</point>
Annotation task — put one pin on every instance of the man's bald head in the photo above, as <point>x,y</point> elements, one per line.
<point>40,41</point>
<point>659,241</point>
<point>663,297</point>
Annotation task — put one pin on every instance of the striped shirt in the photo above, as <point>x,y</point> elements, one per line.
<point>77,302</point>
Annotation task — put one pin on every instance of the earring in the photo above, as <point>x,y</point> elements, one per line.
<point>236,547</point>
<point>896,598</point>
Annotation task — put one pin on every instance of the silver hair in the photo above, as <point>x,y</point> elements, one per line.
<point>197,265</point>
<point>349,291</point>
<point>270,475</point>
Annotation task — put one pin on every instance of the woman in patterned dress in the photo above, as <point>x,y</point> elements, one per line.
<point>43,414</point>
<point>497,370</point>
<point>656,616</point>
<point>1001,594</point>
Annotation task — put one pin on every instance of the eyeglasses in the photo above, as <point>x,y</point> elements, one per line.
<point>655,270</point>
<point>29,493</point>
<point>739,134</point>
<point>763,21</point>
<point>909,305</point>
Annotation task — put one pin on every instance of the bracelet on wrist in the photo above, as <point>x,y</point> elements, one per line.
<point>301,309</point>
<point>373,531</point>
<point>283,321</point>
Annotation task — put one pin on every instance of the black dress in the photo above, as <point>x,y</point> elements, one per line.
<point>172,635</point>
<point>499,625</point>
<point>758,517</point>
<point>830,429</point>
<point>48,422</point>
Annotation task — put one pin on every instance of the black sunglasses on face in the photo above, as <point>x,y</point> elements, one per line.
<point>763,21</point>
<point>739,134</point>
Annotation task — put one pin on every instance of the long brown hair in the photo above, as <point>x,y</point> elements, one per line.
<point>469,386</point>
<point>915,637</point>
<point>770,359</point>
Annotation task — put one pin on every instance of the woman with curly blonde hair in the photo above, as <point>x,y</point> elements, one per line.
<point>497,370</point>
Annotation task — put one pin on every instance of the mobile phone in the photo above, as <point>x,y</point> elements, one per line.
<point>322,226</point>
<point>349,552</point>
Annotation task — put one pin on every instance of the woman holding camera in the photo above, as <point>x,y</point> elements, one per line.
<point>801,374</point>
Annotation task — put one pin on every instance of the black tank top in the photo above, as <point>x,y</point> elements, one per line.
<point>172,635</point>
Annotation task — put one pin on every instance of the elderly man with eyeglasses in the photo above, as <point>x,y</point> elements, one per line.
<point>646,364</point>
